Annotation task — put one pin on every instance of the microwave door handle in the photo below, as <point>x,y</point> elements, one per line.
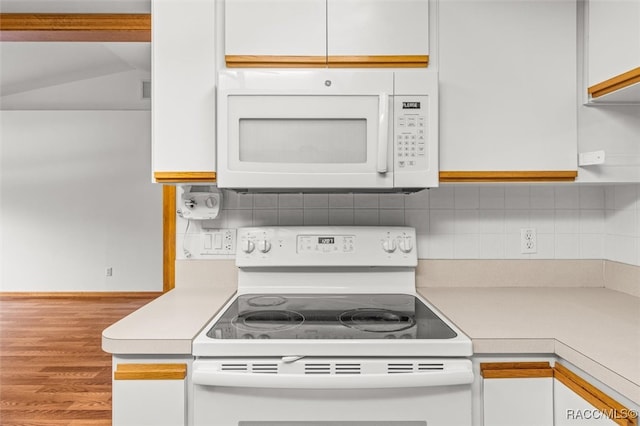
<point>383,132</point>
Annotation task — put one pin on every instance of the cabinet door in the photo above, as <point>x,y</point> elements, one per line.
<point>508,90</point>
<point>378,32</point>
<point>518,393</point>
<point>149,394</point>
<point>275,33</point>
<point>183,91</point>
<point>613,39</point>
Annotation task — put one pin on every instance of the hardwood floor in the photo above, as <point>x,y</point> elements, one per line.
<point>52,368</point>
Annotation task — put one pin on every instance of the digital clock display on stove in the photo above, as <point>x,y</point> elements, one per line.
<point>326,240</point>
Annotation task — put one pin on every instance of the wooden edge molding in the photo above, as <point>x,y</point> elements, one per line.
<point>81,294</point>
<point>515,370</point>
<point>615,83</point>
<point>95,27</point>
<point>168,237</point>
<point>601,401</point>
<point>268,61</point>
<point>406,61</point>
<point>150,372</point>
<point>509,176</point>
<point>184,177</point>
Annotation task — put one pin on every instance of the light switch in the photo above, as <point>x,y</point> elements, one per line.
<point>207,241</point>
<point>217,241</point>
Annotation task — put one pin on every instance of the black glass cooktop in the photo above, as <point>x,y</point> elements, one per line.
<point>322,316</point>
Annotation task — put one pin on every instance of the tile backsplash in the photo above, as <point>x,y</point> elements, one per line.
<point>466,221</point>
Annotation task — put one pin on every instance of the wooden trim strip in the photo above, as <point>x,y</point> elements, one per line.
<point>81,294</point>
<point>601,401</point>
<point>615,83</point>
<point>92,27</point>
<point>515,370</point>
<point>150,372</point>
<point>168,237</point>
<point>184,177</point>
<point>379,61</point>
<point>509,176</point>
<point>269,61</point>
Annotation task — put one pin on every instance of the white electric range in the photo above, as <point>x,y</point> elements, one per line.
<point>327,329</point>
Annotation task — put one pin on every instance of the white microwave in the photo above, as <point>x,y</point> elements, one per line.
<point>338,130</point>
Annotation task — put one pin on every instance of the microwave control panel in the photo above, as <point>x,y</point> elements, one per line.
<point>411,151</point>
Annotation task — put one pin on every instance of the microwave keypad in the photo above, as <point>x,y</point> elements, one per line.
<point>411,138</point>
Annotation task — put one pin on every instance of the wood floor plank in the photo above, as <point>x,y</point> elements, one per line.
<point>52,368</point>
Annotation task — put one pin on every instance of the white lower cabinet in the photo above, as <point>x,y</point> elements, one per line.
<point>570,409</point>
<point>519,393</point>
<point>149,393</point>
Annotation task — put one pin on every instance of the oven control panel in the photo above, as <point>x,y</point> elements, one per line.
<point>326,246</point>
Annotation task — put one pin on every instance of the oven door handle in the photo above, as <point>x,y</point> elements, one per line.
<point>208,377</point>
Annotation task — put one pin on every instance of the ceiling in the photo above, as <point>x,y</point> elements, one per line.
<point>27,67</point>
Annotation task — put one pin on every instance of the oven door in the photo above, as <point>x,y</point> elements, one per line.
<point>332,392</point>
<point>320,130</point>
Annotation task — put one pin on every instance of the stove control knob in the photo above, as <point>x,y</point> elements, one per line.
<point>264,246</point>
<point>406,244</point>
<point>248,246</point>
<point>389,245</point>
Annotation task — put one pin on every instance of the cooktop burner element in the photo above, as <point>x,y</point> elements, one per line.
<point>330,316</point>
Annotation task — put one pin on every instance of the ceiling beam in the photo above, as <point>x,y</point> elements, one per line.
<point>97,27</point>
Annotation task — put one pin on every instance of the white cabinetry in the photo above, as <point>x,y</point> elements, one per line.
<point>183,90</point>
<point>517,394</point>
<point>341,33</point>
<point>508,90</point>
<point>572,410</point>
<point>153,394</point>
<point>613,50</point>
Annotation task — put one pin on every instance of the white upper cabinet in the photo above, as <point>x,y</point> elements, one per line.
<point>183,91</point>
<point>351,33</point>
<point>380,28</point>
<point>508,90</point>
<point>276,31</point>
<point>613,50</point>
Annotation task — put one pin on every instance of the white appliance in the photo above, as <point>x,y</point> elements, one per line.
<point>326,329</point>
<point>327,129</point>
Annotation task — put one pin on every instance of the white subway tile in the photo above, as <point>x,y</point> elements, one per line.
<point>341,201</point>
<point>237,201</point>
<point>341,217</point>
<point>417,200</point>
<point>290,217</point>
<point>545,245</point>
<point>567,197</point>
<point>567,246</point>
<point>591,222</point>
<point>517,197</point>
<point>621,222</point>
<point>591,246</point>
<point>391,217</point>
<point>265,217</point>
<point>466,197</point>
<point>626,196</point>
<point>316,217</point>
<point>492,246</point>
<point>466,246</point>
<point>491,221</point>
<point>441,198</point>
<point>418,219</point>
<point>316,201</point>
<point>441,222</point>
<point>514,220</point>
<point>542,197</point>
<point>491,197</point>
<point>466,222</point>
<point>441,246</point>
<point>290,201</point>
<point>239,218</point>
<point>621,248</point>
<point>592,197</point>
<point>265,201</point>
<point>543,221</point>
<point>366,217</point>
<point>365,201</point>
<point>512,247</point>
<point>391,201</point>
<point>610,197</point>
<point>567,221</point>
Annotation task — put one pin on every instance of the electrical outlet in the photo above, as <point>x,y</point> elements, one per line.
<point>108,271</point>
<point>528,240</point>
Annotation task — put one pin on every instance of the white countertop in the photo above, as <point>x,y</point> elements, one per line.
<point>596,329</point>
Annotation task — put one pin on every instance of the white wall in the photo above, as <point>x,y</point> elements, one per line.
<point>76,198</point>
<point>465,221</point>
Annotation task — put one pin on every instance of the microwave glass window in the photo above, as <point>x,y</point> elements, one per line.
<point>299,141</point>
